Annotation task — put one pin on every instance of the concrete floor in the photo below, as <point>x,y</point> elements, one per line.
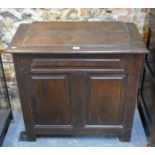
<point>138,137</point>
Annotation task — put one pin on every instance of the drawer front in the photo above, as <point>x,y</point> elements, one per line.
<point>77,62</point>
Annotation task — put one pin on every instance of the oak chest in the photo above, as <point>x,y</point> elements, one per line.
<point>78,78</point>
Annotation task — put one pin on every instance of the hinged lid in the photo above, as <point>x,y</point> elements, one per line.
<point>77,37</point>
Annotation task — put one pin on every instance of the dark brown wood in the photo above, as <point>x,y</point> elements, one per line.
<point>110,92</point>
<point>78,78</point>
<point>146,93</point>
<point>130,95</point>
<point>91,37</point>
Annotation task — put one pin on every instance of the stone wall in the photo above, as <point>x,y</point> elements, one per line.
<point>10,19</point>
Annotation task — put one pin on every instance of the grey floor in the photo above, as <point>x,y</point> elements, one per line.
<point>138,137</point>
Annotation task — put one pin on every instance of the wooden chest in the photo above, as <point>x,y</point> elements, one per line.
<point>78,78</point>
<point>147,89</point>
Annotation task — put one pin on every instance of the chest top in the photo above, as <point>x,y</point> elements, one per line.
<point>77,37</point>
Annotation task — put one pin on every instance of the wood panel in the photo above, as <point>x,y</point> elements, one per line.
<point>77,37</point>
<point>49,109</point>
<point>75,62</point>
<point>105,99</point>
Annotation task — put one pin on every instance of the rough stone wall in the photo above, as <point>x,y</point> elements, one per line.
<point>10,19</point>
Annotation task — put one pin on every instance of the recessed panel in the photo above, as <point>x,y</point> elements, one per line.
<point>105,99</point>
<point>50,99</point>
